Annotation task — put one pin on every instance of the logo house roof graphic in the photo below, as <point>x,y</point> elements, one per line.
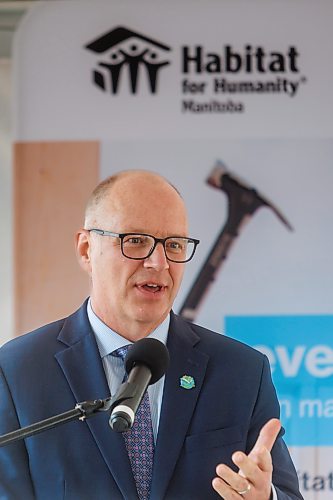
<point>122,47</point>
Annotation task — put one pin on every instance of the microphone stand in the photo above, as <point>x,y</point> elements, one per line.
<point>82,411</point>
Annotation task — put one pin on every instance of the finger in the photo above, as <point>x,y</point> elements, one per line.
<point>258,474</point>
<point>267,435</point>
<point>222,488</point>
<point>232,478</point>
<point>252,467</point>
<point>225,490</point>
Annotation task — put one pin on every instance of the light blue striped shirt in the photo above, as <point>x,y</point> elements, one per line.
<point>108,341</point>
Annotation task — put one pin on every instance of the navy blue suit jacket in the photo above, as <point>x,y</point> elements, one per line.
<point>49,370</point>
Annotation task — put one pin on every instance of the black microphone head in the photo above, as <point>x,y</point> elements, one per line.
<point>149,352</point>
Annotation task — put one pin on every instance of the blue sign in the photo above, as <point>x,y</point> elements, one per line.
<point>300,352</point>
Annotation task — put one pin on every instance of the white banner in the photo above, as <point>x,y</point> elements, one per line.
<point>179,69</point>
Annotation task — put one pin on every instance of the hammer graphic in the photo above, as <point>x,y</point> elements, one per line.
<point>243,201</point>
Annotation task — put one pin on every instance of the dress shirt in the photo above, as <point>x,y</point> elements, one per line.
<point>108,341</point>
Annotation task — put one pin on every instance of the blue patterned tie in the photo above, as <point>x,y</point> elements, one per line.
<point>139,441</point>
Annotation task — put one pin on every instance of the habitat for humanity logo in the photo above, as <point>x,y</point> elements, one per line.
<point>127,54</point>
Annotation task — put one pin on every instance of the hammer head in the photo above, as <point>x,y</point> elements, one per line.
<point>240,194</point>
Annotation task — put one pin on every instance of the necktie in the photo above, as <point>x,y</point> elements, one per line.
<point>139,441</point>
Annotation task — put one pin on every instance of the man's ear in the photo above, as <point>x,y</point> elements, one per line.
<point>82,242</point>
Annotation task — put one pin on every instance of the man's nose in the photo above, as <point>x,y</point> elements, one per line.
<point>157,259</point>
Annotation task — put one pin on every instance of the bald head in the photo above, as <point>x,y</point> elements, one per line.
<point>136,188</point>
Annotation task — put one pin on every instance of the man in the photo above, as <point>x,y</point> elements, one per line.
<point>218,437</point>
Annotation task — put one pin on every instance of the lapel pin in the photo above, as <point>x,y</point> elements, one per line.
<point>187,382</point>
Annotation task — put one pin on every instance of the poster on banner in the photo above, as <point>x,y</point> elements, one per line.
<point>238,115</point>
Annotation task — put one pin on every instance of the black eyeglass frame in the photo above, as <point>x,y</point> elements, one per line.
<point>121,236</point>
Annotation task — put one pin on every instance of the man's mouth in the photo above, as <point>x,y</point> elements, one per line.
<point>151,287</point>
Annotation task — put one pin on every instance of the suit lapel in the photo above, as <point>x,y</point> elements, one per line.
<point>82,366</point>
<point>178,403</point>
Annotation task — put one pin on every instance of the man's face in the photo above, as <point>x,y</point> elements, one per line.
<point>134,296</point>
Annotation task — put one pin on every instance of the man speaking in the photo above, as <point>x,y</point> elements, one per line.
<point>207,429</point>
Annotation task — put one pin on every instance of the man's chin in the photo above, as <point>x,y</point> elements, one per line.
<point>150,320</point>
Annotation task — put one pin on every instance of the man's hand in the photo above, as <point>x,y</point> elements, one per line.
<point>254,478</point>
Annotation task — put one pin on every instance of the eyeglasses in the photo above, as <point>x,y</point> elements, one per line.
<point>140,246</point>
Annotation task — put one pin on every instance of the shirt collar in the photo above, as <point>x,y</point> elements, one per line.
<point>108,340</point>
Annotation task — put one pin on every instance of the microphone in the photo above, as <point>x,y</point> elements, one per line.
<point>145,362</point>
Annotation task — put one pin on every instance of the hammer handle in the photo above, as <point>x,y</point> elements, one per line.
<point>207,274</point>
